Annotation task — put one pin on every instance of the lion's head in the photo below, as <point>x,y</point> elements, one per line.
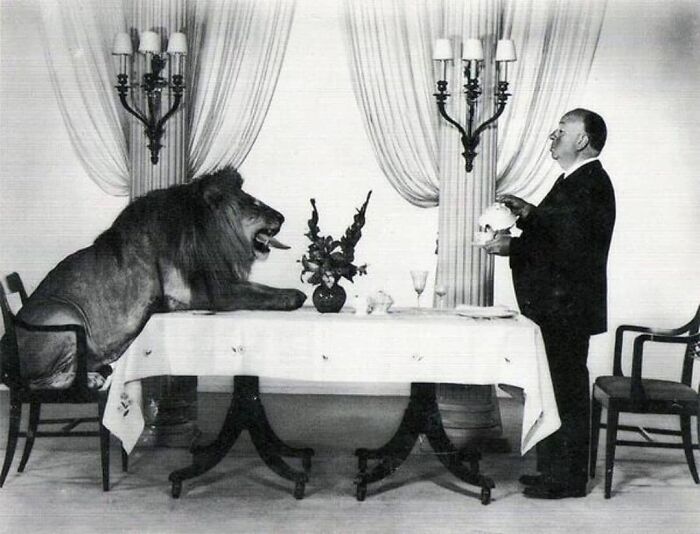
<point>237,213</point>
<point>209,229</point>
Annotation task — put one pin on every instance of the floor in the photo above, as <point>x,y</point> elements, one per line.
<point>60,490</point>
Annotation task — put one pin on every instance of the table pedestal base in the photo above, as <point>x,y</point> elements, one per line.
<point>422,416</point>
<point>247,413</point>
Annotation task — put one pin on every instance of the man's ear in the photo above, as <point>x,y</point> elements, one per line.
<point>582,141</point>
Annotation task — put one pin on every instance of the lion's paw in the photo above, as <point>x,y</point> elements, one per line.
<point>95,380</point>
<point>293,299</point>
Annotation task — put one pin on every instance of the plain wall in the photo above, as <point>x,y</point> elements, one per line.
<point>644,82</point>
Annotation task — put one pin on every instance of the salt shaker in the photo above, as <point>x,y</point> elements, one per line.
<point>361,305</point>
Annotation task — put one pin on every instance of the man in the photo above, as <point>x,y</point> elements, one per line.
<point>559,267</point>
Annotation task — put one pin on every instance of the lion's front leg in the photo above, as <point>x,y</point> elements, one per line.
<point>251,296</point>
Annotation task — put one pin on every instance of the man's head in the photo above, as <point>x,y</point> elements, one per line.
<point>581,134</point>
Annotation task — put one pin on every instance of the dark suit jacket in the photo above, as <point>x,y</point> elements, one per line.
<point>559,262</point>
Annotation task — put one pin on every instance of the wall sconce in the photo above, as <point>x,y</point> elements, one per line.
<point>153,81</point>
<point>473,59</point>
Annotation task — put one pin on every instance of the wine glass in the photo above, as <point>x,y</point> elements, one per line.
<point>440,291</point>
<point>419,278</point>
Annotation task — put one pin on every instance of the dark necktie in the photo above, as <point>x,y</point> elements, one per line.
<point>558,181</point>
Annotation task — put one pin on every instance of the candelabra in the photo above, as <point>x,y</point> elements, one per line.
<point>153,82</point>
<point>473,58</point>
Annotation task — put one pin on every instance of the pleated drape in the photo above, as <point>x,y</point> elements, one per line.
<point>389,48</point>
<point>241,48</point>
<point>556,45</point>
<point>236,49</point>
<point>77,38</point>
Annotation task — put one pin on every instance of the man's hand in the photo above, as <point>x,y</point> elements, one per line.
<point>499,245</point>
<point>517,205</point>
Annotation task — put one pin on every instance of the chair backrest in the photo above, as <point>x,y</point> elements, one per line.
<point>688,329</point>
<point>15,285</point>
<point>9,355</point>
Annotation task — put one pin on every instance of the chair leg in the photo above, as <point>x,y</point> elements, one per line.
<point>12,435</point>
<point>104,445</point>
<point>596,411</point>
<point>125,460</point>
<point>34,414</point>
<point>688,447</point>
<point>610,442</point>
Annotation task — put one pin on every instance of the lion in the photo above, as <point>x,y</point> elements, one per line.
<point>189,246</point>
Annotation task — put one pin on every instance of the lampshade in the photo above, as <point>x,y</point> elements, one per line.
<point>473,50</point>
<point>505,50</point>
<point>442,50</point>
<point>177,44</point>
<point>149,42</point>
<point>122,45</point>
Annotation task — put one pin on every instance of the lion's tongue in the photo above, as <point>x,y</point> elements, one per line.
<point>277,244</point>
<point>271,242</point>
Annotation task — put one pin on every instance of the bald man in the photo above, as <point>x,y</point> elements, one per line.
<point>559,265</point>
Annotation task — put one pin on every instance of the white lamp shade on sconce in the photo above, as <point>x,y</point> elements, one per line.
<point>473,50</point>
<point>149,42</point>
<point>505,50</point>
<point>122,45</point>
<point>177,44</point>
<point>442,50</point>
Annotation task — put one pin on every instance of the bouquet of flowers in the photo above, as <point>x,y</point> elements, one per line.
<point>328,259</point>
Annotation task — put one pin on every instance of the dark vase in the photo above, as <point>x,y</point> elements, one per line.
<point>329,299</point>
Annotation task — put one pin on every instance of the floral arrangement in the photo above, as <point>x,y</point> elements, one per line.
<point>328,259</point>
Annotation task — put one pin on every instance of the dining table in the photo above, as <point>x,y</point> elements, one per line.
<point>422,347</point>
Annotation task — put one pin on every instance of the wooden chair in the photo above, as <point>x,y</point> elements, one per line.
<point>20,392</point>
<point>640,395</point>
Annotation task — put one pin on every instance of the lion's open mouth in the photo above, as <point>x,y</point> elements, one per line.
<point>265,239</point>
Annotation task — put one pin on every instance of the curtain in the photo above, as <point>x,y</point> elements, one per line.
<point>77,37</point>
<point>235,57</point>
<point>389,49</point>
<point>233,76</point>
<point>556,43</point>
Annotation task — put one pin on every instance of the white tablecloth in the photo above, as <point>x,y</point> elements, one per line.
<point>405,345</point>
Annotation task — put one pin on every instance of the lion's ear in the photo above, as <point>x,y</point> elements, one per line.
<point>232,176</point>
<point>213,194</point>
<point>215,186</point>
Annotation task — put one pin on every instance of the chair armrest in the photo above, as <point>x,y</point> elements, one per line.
<point>637,391</point>
<point>619,339</point>
<point>645,329</point>
<point>80,382</point>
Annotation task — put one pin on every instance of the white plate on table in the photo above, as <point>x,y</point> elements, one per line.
<point>485,312</point>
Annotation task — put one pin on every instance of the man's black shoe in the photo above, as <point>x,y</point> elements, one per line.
<point>553,491</point>
<point>531,480</point>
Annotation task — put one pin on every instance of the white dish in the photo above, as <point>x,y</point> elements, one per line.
<point>484,312</point>
<point>497,217</point>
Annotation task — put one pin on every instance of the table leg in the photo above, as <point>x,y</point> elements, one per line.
<point>422,416</point>
<point>246,412</point>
